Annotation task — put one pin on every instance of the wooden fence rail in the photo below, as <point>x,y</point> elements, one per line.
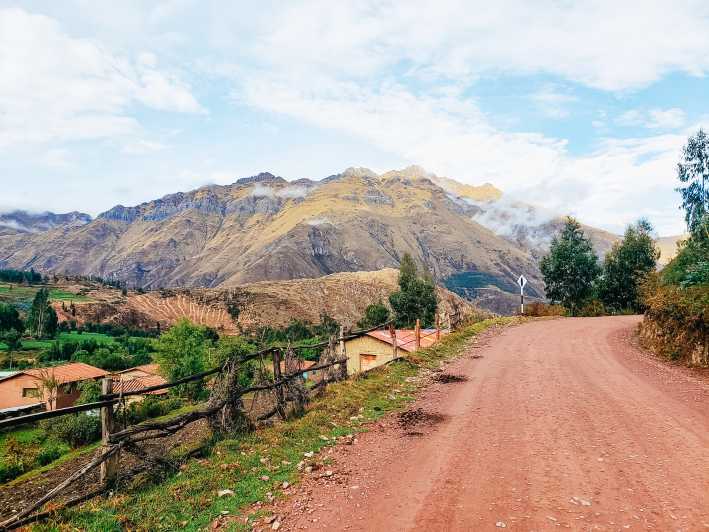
<point>115,441</point>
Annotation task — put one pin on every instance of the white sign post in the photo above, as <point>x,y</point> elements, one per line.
<point>522,282</point>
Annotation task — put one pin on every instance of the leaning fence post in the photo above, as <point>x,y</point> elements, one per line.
<point>280,396</point>
<point>418,333</point>
<point>109,468</point>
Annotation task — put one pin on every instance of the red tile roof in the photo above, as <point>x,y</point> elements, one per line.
<point>152,369</point>
<point>406,338</point>
<point>138,383</point>
<point>72,372</point>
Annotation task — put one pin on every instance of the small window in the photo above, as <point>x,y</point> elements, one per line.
<point>30,392</point>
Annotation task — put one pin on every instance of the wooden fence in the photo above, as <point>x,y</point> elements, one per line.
<point>224,410</point>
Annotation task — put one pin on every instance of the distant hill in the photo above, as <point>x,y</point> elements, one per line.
<point>25,222</point>
<point>266,228</point>
<point>343,296</point>
<point>668,247</point>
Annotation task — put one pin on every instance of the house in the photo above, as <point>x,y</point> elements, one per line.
<point>377,347</point>
<point>29,386</point>
<point>137,378</point>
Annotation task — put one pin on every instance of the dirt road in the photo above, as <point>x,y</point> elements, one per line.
<point>560,424</point>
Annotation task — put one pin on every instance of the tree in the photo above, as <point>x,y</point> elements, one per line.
<point>10,318</point>
<point>181,351</point>
<point>693,169</point>
<point>42,320</point>
<point>570,268</point>
<point>13,341</point>
<point>626,266</point>
<point>416,297</point>
<point>374,315</point>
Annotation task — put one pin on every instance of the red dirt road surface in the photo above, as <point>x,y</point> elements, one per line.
<point>561,424</point>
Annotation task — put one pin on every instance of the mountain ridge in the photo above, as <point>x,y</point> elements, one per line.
<point>264,227</point>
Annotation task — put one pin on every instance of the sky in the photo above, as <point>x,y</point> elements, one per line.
<point>579,107</point>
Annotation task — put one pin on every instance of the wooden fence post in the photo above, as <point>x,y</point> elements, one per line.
<point>280,396</point>
<point>109,468</point>
<point>418,334</point>
<point>392,333</point>
<point>438,326</point>
<point>343,353</point>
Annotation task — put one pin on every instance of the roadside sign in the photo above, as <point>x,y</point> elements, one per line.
<point>522,282</point>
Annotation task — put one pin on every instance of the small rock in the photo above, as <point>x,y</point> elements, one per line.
<point>500,524</point>
<point>276,525</point>
<point>270,519</point>
<point>225,493</point>
<point>285,484</point>
<point>309,454</point>
<point>327,473</point>
<point>265,478</point>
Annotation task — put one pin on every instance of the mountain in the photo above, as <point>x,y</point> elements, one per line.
<point>266,228</point>
<point>668,247</point>
<point>25,222</point>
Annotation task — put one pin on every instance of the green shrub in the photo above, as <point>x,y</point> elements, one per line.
<point>75,429</point>
<point>151,407</point>
<point>50,452</point>
<point>10,469</point>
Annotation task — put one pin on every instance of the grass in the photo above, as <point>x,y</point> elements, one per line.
<point>23,295</point>
<point>188,500</point>
<point>73,336</point>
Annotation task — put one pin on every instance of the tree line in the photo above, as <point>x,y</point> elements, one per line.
<point>575,277</point>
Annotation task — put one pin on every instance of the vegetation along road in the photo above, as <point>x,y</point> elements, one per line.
<point>557,424</point>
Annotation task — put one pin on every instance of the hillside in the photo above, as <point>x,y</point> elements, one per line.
<point>343,296</point>
<point>668,247</point>
<point>266,228</point>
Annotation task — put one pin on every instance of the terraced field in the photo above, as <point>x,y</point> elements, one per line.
<point>168,310</point>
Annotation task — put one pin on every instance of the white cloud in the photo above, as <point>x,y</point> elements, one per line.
<point>673,118</point>
<point>617,183</point>
<point>553,101</point>
<point>142,147</point>
<point>604,44</point>
<point>56,87</point>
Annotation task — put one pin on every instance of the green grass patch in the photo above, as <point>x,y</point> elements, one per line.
<point>72,336</point>
<point>188,500</point>
<point>23,295</point>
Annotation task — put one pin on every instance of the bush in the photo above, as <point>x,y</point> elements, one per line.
<point>676,322</point>
<point>151,407</point>
<point>592,308</point>
<point>538,308</point>
<point>50,452</point>
<point>10,469</point>
<point>74,429</point>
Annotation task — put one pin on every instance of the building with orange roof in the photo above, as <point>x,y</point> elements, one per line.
<point>137,378</point>
<point>379,347</point>
<point>56,386</point>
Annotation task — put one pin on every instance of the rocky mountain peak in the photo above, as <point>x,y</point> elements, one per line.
<point>263,177</point>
